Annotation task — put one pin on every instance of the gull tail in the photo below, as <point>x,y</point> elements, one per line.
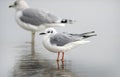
<point>88,34</point>
<point>67,21</point>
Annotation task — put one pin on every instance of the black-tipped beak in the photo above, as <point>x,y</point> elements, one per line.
<point>42,33</point>
<point>11,6</point>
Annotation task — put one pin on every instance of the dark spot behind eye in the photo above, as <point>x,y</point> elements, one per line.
<point>51,31</point>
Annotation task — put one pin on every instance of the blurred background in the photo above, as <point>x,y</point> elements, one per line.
<point>99,58</point>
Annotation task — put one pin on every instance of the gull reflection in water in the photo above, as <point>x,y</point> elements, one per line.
<point>37,66</point>
<point>60,67</point>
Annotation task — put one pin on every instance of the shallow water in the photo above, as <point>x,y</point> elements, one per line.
<point>99,58</point>
<point>17,61</point>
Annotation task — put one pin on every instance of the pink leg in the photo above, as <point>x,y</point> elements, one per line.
<point>62,56</point>
<point>58,56</point>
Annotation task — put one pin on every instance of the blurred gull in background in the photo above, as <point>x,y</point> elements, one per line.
<point>34,20</point>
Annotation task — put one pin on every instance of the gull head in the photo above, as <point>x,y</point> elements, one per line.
<point>49,31</point>
<point>19,5</point>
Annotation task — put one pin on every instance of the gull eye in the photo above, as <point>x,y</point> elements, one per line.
<point>48,32</point>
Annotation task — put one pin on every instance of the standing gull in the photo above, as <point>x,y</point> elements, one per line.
<point>34,20</point>
<point>62,42</point>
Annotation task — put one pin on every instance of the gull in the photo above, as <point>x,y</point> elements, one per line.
<point>35,20</point>
<point>62,42</point>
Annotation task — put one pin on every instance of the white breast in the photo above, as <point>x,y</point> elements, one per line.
<point>47,45</point>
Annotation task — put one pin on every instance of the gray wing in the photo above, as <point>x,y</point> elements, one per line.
<point>52,18</point>
<point>35,17</point>
<point>62,39</point>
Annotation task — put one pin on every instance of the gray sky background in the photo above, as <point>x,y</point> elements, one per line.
<point>103,16</point>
